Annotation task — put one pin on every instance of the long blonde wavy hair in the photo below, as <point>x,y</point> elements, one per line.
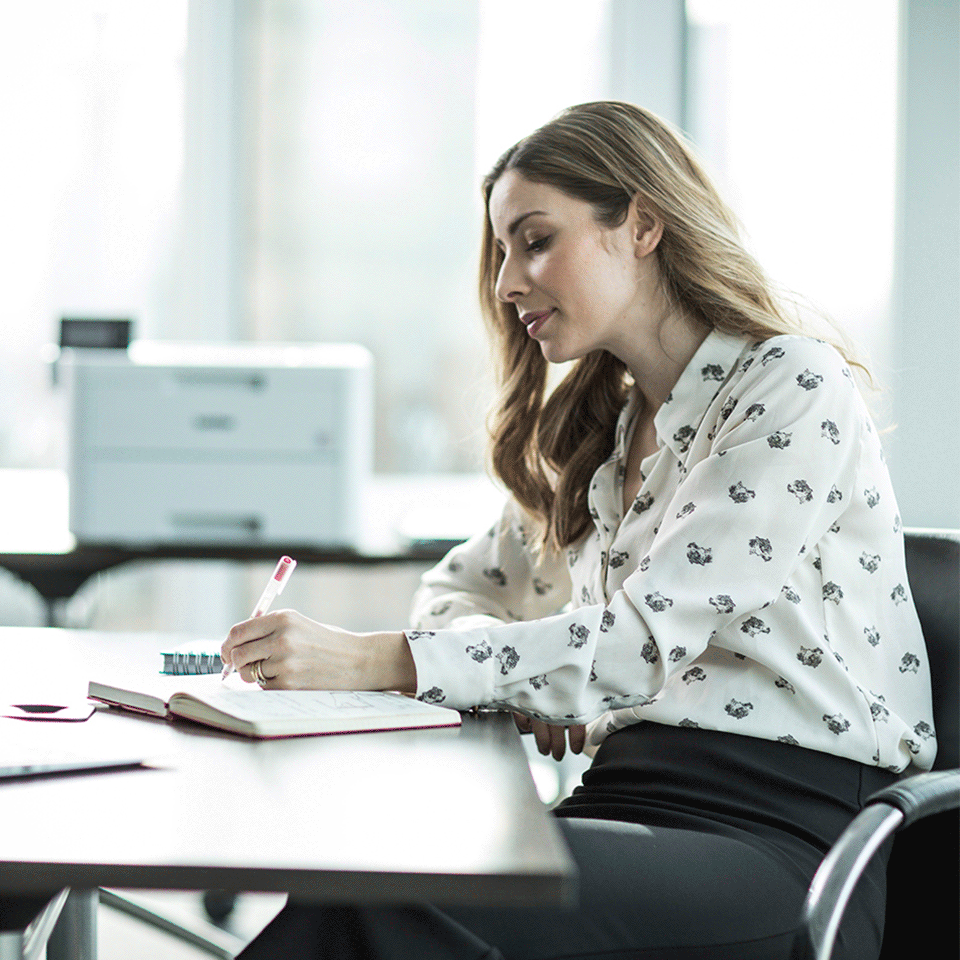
<point>545,449</point>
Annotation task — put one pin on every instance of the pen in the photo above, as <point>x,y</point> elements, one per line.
<point>273,589</point>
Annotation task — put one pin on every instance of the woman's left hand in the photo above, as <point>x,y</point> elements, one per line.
<point>296,653</point>
<point>551,737</point>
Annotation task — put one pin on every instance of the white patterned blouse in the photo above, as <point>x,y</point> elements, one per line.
<point>757,585</point>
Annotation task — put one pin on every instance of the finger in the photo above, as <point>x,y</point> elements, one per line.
<point>558,737</point>
<point>550,739</point>
<point>247,630</point>
<point>523,723</point>
<point>541,733</point>
<point>235,638</point>
<point>272,682</point>
<point>249,653</point>
<point>578,737</point>
<point>248,673</point>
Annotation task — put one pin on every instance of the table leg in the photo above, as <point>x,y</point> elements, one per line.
<point>75,935</point>
<point>50,606</point>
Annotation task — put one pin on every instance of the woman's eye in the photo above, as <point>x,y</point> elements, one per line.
<point>534,245</point>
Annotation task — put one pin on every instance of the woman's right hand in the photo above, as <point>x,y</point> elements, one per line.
<point>297,653</point>
<point>552,738</point>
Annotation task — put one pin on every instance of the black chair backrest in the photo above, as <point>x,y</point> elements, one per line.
<point>933,567</point>
<point>923,879</point>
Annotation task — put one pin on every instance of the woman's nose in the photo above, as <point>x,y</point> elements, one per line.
<point>511,282</point>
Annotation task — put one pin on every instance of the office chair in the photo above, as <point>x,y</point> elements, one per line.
<point>923,876</point>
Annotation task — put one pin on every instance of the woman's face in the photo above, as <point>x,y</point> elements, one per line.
<point>577,285</point>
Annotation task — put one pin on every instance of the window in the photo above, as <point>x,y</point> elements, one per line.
<point>377,120</point>
<point>91,175</point>
<point>358,134</point>
<point>794,108</point>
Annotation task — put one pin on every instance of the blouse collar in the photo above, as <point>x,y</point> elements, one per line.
<point>679,418</point>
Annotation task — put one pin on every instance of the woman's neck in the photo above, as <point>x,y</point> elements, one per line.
<point>657,361</point>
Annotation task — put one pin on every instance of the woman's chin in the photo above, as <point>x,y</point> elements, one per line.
<point>554,352</point>
<point>551,354</point>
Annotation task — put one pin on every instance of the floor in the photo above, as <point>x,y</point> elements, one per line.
<point>122,938</point>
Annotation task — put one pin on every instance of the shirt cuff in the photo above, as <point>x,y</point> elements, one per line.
<point>453,666</point>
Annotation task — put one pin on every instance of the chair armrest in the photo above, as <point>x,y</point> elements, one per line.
<point>922,795</point>
<point>885,812</point>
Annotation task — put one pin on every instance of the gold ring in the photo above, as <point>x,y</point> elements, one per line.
<point>256,668</point>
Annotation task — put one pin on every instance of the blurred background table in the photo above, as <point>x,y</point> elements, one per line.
<point>408,519</point>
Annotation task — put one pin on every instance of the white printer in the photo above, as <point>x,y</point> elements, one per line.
<point>233,443</point>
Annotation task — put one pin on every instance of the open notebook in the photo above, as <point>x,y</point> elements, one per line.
<point>242,708</point>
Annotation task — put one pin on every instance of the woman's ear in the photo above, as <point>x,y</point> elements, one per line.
<point>646,225</point>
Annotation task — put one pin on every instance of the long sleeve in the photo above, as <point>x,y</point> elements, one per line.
<point>496,577</point>
<point>744,590</point>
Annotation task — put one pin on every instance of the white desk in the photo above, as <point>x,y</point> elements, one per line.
<point>448,815</point>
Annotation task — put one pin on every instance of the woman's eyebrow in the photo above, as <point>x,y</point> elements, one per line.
<point>512,229</point>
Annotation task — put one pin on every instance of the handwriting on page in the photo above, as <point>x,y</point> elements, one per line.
<point>278,704</point>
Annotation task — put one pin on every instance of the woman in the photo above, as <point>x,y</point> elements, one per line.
<point>699,574</point>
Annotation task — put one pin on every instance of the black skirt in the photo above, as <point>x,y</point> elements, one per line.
<point>716,782</point>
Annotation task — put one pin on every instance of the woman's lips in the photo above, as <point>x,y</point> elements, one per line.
<point>534,321</point>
